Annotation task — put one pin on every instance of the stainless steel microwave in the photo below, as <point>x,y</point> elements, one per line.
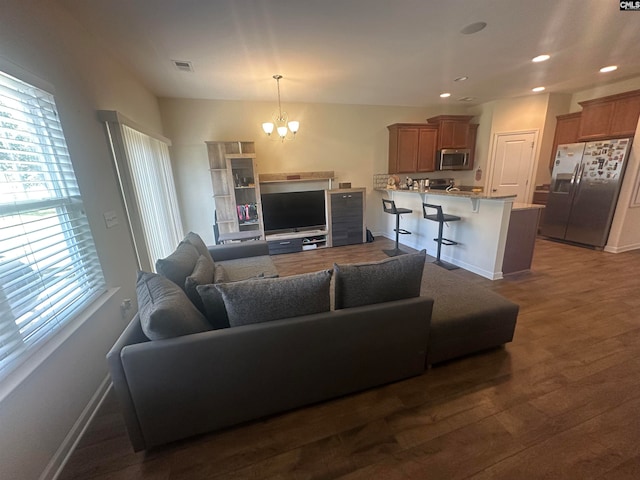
<point>453,159</point>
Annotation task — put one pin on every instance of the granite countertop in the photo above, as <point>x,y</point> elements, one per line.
<point>526,206</point>
<point>463,194</point>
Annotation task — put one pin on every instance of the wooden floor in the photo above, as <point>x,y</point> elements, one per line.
<point>560,402</point>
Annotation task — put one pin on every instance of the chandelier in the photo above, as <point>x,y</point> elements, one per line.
<point>281,121</point>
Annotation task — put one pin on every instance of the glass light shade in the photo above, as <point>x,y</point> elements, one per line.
<point>268,128</point>
<point>294,125</point>
<point>282,131</point>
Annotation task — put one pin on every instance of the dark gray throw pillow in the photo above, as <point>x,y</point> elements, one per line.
<point>164,309</point>
<point>213,304</point>
<point>256,301</point>
<point>367,283</point>
<point>202,274</point>
<point>179,265</point>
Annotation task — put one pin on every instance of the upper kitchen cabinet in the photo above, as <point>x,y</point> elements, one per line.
<point>567,131</point>
<point>412,147</point>
<point>453,131</point>
<point>609,117</point>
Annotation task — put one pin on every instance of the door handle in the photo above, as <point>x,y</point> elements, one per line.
<point>579,177</point>
<point>494,190</point>
<point>573,175</point>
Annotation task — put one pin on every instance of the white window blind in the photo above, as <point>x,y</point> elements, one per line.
<point>154,190</point>
<point>144,171</point>
<point>49,269</point>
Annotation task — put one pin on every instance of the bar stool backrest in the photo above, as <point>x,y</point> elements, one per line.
<point>389,206</point>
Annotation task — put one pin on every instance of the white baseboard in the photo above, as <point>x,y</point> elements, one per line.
<point>625,248</point>
<point>69,444</point>
<point>454,261</point>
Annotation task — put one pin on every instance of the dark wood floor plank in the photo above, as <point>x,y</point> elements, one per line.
<point>561,401</point>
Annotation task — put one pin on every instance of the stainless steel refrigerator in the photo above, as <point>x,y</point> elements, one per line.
<point>584,189</point>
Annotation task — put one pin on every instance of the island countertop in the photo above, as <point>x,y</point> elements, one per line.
<point>464,194</point>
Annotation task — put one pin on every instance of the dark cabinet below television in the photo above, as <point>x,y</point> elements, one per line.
<point>347,216</point>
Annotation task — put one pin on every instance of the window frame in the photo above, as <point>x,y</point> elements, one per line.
<point>74,273</point>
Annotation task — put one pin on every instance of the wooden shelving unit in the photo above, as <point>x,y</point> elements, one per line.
<point>236,192</point>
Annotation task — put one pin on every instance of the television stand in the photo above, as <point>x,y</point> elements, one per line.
<point>292,242</point>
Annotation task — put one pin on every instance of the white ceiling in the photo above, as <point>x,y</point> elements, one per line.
<point>375,52</point>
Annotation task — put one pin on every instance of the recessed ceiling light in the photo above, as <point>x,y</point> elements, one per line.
<point>445,95</point>
<point>610,68</point>
<point>537,89</point>
<point>461,79</point>
<point>540,58</point>
<point>473,28</point>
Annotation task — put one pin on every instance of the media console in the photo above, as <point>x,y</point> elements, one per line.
<point>292,242</point>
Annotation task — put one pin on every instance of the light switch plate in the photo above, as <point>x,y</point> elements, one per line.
<point>110,219</point>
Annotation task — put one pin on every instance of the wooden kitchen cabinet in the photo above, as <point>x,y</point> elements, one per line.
<point>567,131</point>
<point>610,117</point>
<point>453,131</point>
<point>412,147</point>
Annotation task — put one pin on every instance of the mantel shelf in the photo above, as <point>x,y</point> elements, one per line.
<point>296,177</point>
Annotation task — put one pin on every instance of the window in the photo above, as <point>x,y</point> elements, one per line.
<point>146,180</point>
<point>49,269</point>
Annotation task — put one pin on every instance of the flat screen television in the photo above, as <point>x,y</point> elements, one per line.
<point>293,211</point>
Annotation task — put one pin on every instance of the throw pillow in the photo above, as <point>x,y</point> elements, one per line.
<point>256,301</point>
<point>195,240</point>
<point>390,279</point>
<point>213,304</point>
<point>202,274</point>
<point>164,309</point>
<point>179,265</point>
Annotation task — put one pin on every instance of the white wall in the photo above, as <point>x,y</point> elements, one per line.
<point>625,228</point>
<point>351,140</point>
<point>37,417</point>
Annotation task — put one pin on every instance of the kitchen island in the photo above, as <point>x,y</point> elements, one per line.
<point>481,234</point>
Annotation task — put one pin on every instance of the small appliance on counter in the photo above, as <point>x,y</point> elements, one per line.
<point>441,183</point>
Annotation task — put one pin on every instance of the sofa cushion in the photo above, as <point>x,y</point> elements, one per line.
<point>256,301</point>
<point>195,240</point>
<point>179,265</point>
<point>394,278</point>
<point>164,309</point>
<point>245,268</point>
<point>202,274</point>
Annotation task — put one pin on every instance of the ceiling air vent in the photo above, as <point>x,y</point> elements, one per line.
<point>466,99</point>
<point>183,65</point>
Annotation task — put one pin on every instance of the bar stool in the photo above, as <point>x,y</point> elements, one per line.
<point>389,206</point>
<point>441,218</point>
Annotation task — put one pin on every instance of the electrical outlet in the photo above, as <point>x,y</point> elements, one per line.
<point>125,306</point>
<point>110,219</point>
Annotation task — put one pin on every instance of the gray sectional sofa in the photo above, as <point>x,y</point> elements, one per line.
<point>174,387</point>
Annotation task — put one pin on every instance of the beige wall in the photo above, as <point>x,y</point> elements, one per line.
<point>504,116</point>
<point>603,91</point>
<point>38,416</point>
<point>351,140</point>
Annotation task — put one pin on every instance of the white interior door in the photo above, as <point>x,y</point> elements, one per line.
<point>513,164</point>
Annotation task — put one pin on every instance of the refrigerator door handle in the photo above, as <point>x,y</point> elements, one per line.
<point>573,175</point>
<point>579,177</point>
